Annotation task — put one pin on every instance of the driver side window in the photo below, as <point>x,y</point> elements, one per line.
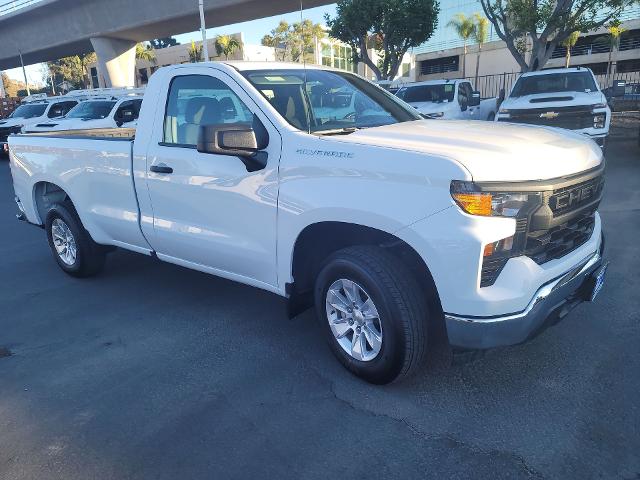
<point>196,100</point>
<point>463,96</point>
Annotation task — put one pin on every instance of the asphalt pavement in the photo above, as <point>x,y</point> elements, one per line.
<point>154,371</point>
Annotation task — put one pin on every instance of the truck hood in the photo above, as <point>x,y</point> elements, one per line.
<point>489,151</point>
<point>78,123</point>
<point>12,122</point>
<point>554,100</point>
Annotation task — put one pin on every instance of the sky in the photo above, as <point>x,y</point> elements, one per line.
<point>253,32</point>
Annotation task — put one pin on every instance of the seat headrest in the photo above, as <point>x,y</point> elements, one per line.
<point>203,111</point>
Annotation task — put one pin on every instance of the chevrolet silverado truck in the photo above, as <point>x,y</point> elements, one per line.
<point>31,113</point>
<point>448,100</point>
<point>94,113</point>
<point>393,226</point>
<point>567,98</point>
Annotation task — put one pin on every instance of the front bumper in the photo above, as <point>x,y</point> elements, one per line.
<point>549,304</point>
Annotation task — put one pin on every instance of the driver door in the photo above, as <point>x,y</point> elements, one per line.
<point>209,212</point>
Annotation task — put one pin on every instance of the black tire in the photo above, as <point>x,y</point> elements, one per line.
<point>90,256</point>
<point>491,117</point>
<point>402,309</point>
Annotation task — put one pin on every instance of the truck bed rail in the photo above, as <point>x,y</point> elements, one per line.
<point>122,134</point>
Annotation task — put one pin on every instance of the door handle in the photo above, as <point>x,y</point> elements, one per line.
<point>162,168</point>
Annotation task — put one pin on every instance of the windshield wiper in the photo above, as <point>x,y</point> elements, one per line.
<point>339,131</point>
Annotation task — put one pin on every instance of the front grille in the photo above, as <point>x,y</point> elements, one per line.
<point>562,223</point>
<point>546,245</point>
<point>571,118</point>
<point>567,199</point>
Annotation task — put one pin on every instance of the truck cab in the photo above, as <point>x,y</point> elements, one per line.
<point>568,98</point>
<point>448,100</point>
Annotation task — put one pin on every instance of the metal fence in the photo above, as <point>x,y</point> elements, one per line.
<point>494,85</point>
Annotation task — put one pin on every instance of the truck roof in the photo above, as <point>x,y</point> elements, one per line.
<point>556,70</point>
<point>246,66</point>
<point>433,82</point>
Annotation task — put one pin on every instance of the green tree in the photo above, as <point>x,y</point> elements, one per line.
<point>465,27</point>
<point>480,35</point>
<point>569,43</point>
<point>72,70</point>
<point>278,40</point>
<point>395,26</point>
<point>226,45</point>
<point>195,52</point>
<point>547,23</point>
<point>11,86</point>
<point>302,39</point>
<point>164,42</point>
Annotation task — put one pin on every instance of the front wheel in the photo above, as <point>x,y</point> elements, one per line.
<point>72,246</point>
<point>373,313</point>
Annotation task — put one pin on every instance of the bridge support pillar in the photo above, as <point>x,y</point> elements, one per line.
<point>116,61</point>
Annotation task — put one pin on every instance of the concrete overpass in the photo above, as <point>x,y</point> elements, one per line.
<point>52,29</point>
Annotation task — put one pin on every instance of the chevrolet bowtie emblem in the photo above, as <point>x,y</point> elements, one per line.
<point>549,115</point>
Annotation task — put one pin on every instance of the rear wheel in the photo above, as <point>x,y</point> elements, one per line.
<point>373,313</point>
<point>72,246</point>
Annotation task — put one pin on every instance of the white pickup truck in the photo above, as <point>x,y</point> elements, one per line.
<point>392,225</point>
<point>95,113</point>
<point>32,113</point>
<point>562,97</point>
<point>448,100</point>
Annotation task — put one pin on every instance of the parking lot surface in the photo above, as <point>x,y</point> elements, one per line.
<point>154,371</point>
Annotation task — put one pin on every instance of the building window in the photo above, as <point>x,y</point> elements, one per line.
<point>440,65</point>
<point>625,66</point>
<point>630,40</point>
<point>142,75</point>
<point>337,56</point>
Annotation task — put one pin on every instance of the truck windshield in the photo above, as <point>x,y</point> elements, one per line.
<point>91,110</point>
<point>324,101</point>
<point>29,111</point>
<point>554,83</point>
<point>428,93</point>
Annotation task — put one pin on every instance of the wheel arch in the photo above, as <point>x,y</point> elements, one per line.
<point>45,194</point>
<point>317,241</point>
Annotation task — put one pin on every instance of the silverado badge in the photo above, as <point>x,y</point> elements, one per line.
<point>549,115</point>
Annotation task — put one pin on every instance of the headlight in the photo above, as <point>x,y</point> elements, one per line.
<point>475,200</point>
<point>503,111</point>
<point>599,120</point>
<point>599,105</point>
<point>16,129</point>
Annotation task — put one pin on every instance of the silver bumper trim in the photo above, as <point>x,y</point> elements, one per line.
<point>509,329</point>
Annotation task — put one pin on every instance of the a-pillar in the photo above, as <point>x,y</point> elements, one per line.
<point>116,61</point>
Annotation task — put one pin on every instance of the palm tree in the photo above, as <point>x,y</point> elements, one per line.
<point>615,30</point>
<point>568,43</point>
<point>145,52</point>
<point>464,27</point>
<point>480,35</point>
<point>195,52</point>
<point>226,45</point>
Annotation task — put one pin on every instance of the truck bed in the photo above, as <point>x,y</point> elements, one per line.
<point>124,134</point>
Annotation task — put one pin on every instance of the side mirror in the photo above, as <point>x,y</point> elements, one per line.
<point>474,101</point>
<point>237,140</point>
<point>618,88</point>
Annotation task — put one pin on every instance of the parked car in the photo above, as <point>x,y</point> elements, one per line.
<point>393,226</point>
<point>29,113</point>
<point>568,98</point>
<point>629,101</point>
<point>94,113</point>
<point>449,100</point>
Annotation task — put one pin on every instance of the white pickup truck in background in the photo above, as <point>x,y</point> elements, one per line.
<point>31,113</point>
<point>395,227</point>
<point>95,113</point>
<point>567,98</point>
<point>448,100</point>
